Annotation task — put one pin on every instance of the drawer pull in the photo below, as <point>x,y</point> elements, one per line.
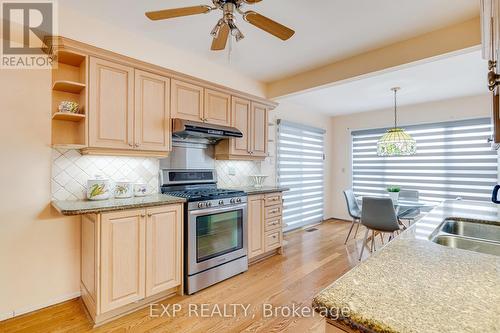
<point>274,211</point>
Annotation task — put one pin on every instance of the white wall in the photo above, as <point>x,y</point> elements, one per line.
<point>341,127</point>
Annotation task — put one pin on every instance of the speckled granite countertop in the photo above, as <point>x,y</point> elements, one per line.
<point>88,207</point>
<point>415,285</point>
<point>261,190</point>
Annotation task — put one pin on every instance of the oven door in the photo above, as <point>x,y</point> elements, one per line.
<point>216,236</point>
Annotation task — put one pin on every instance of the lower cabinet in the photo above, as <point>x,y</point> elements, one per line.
<point>265,227</point>
<point>130,258</point>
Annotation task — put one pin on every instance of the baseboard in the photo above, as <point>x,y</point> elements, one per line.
<point>6,315</point>
<point>32,308</point>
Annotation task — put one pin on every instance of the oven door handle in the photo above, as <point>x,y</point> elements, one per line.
<point>216,210</point>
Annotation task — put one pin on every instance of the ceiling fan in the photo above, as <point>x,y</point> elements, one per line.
<point>227,24</point>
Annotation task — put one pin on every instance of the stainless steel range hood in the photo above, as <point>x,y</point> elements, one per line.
<point>192,129</point>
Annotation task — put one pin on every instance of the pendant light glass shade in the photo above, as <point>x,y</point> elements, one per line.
<point>396,142</point>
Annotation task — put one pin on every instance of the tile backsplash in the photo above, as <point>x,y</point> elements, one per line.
<point>71,170</point>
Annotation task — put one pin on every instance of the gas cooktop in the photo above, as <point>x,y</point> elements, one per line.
<point>204,194</point>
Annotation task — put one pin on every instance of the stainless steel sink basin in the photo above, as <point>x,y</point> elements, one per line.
<point>472,229</point>
<point>466,234</point>
<point>463,243</point>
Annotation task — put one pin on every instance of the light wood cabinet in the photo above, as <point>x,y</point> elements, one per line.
<point>163,249</point>
<point>122,258</point>
<point>251,119</point>
<point>217,108</point>
<point>187,101</point>
<point>264,225</point>
<point>255,225</point>
<point>130,258</point>
<point>116,121</point>
<point>152,112</point>
<point>259,131</point>
<point>126,105</point>
<point>111,105</point>
<point>241,109</point>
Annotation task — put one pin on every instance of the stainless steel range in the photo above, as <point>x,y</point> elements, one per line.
<point>215,227</point>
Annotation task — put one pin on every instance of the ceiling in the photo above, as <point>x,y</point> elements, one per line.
<point>451,77</point>
<point>326,30</point>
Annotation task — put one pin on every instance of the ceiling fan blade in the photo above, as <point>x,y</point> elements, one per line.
<point>177,12</point>
<point>268,25</point>
<point>219,42</point>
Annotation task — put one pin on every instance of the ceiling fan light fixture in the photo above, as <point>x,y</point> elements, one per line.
<point>215,31</point>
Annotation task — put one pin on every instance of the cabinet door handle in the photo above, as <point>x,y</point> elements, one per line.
<point>131,145</point>
<point>143,215</point>
<point>136,145</point>
<point>150,214</point>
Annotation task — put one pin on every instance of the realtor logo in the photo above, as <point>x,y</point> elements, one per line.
<point>24,27</point>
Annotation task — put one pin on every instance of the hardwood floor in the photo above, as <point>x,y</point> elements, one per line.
<point>311,261</point>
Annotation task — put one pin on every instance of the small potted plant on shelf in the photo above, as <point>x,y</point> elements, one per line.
<point>394,193</point>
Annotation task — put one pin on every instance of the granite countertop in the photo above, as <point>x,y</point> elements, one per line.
<point>88,207</point>
<point>261,190</point>
<point>415,285</point>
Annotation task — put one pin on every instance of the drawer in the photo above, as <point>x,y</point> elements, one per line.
<point>272,199</point>
<point>273,240</point>
<point>273,211</point>
<point>273,223</point>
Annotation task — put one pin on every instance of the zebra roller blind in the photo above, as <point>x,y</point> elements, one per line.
<point>453,159</point>
<point>300,159</point>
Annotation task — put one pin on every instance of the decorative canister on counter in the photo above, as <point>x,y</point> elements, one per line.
<point>140,189</point>
<point>68,107</point>
<point>124,189</point>
<point>98,188</point>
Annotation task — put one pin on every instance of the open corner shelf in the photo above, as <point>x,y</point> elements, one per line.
<point>68,116</point>
<point>68,146</point>
<point>68,86</point>
<point>70,58</point>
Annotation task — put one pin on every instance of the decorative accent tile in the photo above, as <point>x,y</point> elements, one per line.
<point>71,170</point>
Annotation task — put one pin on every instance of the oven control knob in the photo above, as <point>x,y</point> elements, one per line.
<point>209,204</point>
<point>201,204</point>
<point>221,202</point>
<point>232,201</point>
<point>238,200</point>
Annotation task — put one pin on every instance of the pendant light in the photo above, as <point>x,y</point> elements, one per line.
<point>396,142</point>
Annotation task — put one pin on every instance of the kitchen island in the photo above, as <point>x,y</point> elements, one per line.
<point>416,285</point>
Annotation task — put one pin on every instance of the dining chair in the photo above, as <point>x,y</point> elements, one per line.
<point>412,214</point>
<point>378,215</point>
<point>354,211</point>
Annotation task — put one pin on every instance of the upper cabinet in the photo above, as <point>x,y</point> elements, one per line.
<point>217,108</point>
<point>259,132</point>
<point>125,106</point>
<point>192,102</point>
<point>111,105</point>
<point>187,101</point>
<point>152,112</point>
<point>241,109</point>
<point>251,119</point>
<point>129,109</point>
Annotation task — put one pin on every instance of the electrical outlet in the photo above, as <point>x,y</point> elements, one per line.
<point>232,171</point>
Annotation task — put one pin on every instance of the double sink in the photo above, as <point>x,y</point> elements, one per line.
<point>469,234</point>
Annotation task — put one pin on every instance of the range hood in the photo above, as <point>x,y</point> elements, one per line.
<point>187,129</point>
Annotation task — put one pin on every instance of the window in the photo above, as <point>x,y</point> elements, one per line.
<point>454,159</point>
<point>300,152</point>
